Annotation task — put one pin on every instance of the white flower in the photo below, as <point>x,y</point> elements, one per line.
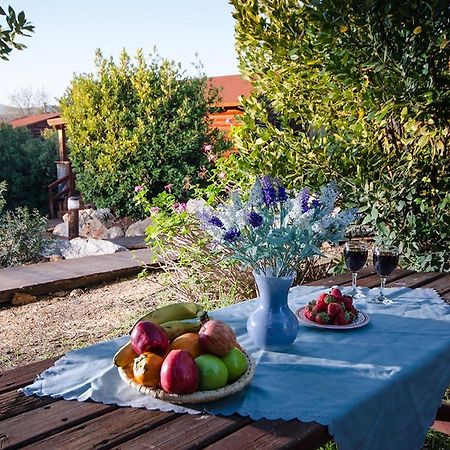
<point>193,205</point>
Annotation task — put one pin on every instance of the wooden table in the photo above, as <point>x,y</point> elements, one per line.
<point>48,423</point>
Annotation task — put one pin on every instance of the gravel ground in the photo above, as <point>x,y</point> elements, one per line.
<point>67,320</point>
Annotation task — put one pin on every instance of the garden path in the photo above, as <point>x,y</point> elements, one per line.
<point>48,277</point>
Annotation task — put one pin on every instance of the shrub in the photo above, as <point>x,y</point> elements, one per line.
<point>193,270</point>
<point>21,234</point>
<point>356,92</point>
<point>27,164</point>
<point>137,123</point>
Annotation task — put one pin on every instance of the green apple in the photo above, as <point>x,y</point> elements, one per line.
<point>236,363</point>
<point>213,372</point>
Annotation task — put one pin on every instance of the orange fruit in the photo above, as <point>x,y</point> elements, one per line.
<point>188,342</point>
<point>147,369</point>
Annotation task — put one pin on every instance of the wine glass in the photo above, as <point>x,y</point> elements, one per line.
<point>385,260</point>
<point>355,255</point>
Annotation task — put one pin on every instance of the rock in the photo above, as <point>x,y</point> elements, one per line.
<point>53,258</point>
<point>61,229</point>
<point>20,298</point>
<point>79,247</point>
<point>94,229</point>
<point>138,228</point>
<point>103,214</point>
<point>114,233</point>
<point>76,293</point>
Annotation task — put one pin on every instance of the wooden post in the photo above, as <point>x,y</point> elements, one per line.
<point>73,205</point>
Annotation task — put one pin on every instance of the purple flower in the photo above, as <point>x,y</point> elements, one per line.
<point>168,187</point>
<point>268,190</point>
<point>214,220</point>
<point>179,207</point>
<point>254,219</point>
<point>303,199</point>
<point>155,209</point>
<point>282,196</point>
<point>315,203</point>
<point>138,188</point>
<point>273,191</point>
<point>231,235</point>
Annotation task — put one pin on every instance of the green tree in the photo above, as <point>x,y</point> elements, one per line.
<point>134,123</point>
<point>16,25</point>
<point>27,164</point>
<point>356,91</point>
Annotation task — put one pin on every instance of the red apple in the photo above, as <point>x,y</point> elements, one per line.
<point>216,337</point>
<point>179,373</point>
<point>149,337</point>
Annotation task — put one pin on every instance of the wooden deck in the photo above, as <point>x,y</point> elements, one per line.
<point>49,277</point>
<point>49,423</point>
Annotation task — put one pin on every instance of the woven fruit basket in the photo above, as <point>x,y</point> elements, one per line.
<point>198,396</point>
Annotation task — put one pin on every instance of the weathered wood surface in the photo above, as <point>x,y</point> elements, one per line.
<point>46,423</point>
<point>48,277</point>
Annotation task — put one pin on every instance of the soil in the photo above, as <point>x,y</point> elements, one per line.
<point>67,320</point>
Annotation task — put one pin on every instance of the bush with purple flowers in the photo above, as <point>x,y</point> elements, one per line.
<point>273,233</point>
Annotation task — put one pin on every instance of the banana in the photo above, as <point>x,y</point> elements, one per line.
<point>176,328</point>
<point>124,356</point>
<point>176,311</point>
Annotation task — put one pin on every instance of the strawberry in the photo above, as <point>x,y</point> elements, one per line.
<point>334,309</point>
<point>323,318</point>
<point>348,301</point>
<point>340,319</point>
<point>330,299</point>
<point>348,317</point>
<point>322,297</point>
<point>308,314</point>
<point>321,305</point>
<point>335,292</point>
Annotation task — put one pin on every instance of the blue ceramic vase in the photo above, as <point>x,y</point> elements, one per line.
<point>272,326</point>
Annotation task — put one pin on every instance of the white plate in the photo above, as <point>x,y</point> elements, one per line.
<point>361,320</point>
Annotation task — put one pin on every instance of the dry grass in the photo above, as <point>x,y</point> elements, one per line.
<point>68,320</point>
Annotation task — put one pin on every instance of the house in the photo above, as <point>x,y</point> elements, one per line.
<point>35,123</point>
<point>231,87</point>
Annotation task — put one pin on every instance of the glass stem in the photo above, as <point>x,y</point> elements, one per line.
<point>383,282</point>
<point>354,277</point>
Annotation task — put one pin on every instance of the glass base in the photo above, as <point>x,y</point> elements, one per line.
<point>357,293</point>
<point>381,299</point>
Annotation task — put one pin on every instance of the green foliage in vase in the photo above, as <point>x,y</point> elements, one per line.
<point>27,164</point>
<point>358,92</point>
<point>138,122</point>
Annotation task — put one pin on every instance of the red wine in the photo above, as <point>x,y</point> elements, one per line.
<point>385,263</point>
<point>355,259</point>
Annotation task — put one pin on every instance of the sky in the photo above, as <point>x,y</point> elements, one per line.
<point>68,32</point>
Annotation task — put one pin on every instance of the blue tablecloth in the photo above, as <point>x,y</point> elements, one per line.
<point>376,387</point>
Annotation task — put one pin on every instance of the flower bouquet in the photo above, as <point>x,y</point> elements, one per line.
<point>273,233</point>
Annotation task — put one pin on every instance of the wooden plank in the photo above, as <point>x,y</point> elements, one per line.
<point>111,429</point>
<point>274,434</point>
<point>48,277</point>
<point>14,403</point>
<point>187,431</point>
<point>16,378</point>
<point>39,423</point>
<point>343,278</point>
<point>374,280</point>
<point>416,279</point>
<point>442,285</point>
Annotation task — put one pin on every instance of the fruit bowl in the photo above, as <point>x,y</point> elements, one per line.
<point>195,397</point>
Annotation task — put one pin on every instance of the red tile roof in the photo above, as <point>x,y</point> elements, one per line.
<point>31,120</point>
<point>230,88</point>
